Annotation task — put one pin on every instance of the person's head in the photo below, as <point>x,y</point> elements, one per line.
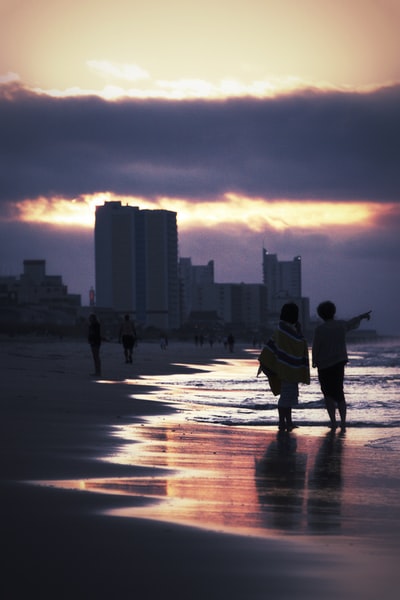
<point>326,310</point>
<point>126,317</point>
<point>92,318</point>
<point>290,313</point>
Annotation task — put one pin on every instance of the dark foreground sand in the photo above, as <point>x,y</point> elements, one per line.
<point>56,423</point>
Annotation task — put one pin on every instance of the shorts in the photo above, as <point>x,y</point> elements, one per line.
<point>331,381</point>
<point>128,341</point>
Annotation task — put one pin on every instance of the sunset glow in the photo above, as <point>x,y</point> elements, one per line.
<point>203,51</point>
<point>186,89</point>
<point>255,214</point>
<point>258,123</point>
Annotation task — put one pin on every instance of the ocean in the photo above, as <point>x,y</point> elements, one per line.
<point>230,393</point>
<point>218,461</point>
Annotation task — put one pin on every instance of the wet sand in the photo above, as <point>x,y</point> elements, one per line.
<point>178,509</point>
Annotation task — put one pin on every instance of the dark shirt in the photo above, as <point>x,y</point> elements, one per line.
<point>94,336</point>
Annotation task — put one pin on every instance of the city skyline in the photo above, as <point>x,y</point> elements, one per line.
<point>281,279</point>
<point>275,128</point>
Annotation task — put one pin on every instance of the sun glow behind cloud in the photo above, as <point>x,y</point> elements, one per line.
<point>125,71</point>
<point>190,89</point>
<point>255,214</point>
<point>58,211</point>
<point>126,80</point>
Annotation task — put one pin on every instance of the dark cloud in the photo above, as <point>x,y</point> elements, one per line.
<point>328,145</point>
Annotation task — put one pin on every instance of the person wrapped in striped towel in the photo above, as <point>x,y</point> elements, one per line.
<point>284,360</point>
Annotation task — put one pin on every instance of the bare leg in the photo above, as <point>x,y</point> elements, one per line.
<point>281,412</point>
<point>289,422</point>
<point>331,408</point>
<point>342,406</point>
<point>96,359</point>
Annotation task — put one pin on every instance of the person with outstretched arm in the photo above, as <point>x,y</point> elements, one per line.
<point>329,356</point>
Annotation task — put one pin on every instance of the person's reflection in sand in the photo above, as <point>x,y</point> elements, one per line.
<point>280,477</point>
<point>325,485</point>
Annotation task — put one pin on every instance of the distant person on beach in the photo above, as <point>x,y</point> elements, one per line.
<point>284,360</point>
<point>329,356</point>
<point>94,339</point>
<point>127,335</point>
<point>231,342</point>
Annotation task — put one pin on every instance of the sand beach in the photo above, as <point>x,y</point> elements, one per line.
<point>107,491</point>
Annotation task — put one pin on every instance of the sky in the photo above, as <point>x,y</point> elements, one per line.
<point>263,124</point>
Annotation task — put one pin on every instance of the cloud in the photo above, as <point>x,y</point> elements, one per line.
<point>9,77</point>
<point>309,145</point>
<point>122,71</point>
<point>312,173</point>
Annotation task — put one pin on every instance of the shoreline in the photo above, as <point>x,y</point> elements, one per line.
<point>58,424</point>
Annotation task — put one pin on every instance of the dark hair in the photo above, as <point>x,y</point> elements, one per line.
<point>326,310</point>
<point>290,313</point>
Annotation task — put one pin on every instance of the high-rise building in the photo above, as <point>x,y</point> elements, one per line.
<point>190,277</point>
<point>136,261</point>
<point>236,304</point>
<point>283,282</point>
<point>282,278</point>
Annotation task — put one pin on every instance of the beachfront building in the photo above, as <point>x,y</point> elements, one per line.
<point>136,264</point>
<point>239,305</point>
<point>37,302</point>
<point>191,276</point>
<point>283,282</point>
<point>35,287</point>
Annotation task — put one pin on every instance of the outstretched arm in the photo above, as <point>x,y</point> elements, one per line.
<point>355,321</point>
<point>366,315</point>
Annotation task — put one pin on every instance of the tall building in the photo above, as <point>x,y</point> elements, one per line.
<point>236,304</point>
<point>282,278</point>
<point>190,277</point>
<point>136,262</point>
<point>283,282</point>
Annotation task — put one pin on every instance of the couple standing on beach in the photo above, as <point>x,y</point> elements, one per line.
<point>284,360</point>
<point>127,336</point>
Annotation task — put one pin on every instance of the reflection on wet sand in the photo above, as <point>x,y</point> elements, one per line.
<point>280,480</point>
<point>301,491</point>
<point>247,479</point>
<point>325,485</point>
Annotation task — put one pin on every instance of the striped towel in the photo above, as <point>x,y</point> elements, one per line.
<point>285,358</point>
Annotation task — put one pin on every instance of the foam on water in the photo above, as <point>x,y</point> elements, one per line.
<point>219,461</point>
<point>230,393</point>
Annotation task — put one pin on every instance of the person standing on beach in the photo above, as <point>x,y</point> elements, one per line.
<point>127,335</point>
<point>284,359</point>
<point>231,342</point>
<point>329,356</point>
<point>94,339</point>
<point>163,342</point>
